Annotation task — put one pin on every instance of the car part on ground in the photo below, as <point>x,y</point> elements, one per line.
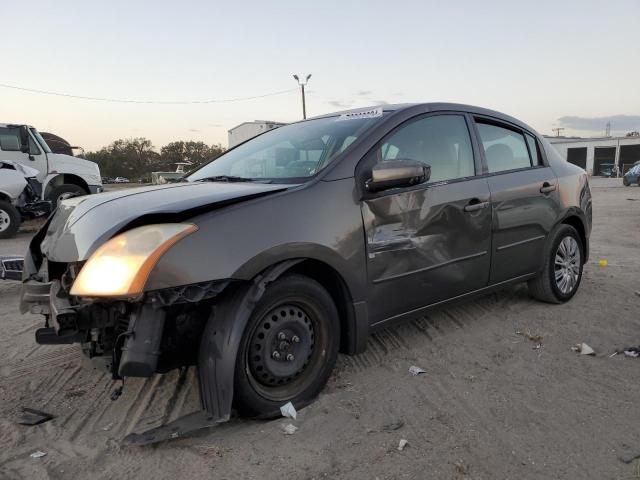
<point>11,267</point>
<point>368,218</point>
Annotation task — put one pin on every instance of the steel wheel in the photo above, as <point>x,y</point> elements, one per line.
<point>567,265</point>
<point>5,220</point>
<point>281,346</point>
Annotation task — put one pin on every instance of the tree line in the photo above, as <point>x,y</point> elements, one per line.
<point>136,158</point>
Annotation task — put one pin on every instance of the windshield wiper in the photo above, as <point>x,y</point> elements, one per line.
<point>226,178</point>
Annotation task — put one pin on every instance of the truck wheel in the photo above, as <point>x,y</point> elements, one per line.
<point>563,262</point>
<point>61,192</point>
<point>289,347</point>
<point>9,220</point>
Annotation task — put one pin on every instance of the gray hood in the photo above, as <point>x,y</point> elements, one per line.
<point>82,224</point>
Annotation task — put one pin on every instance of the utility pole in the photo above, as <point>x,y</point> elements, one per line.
<point>558,130</point>
<point>302,84</point>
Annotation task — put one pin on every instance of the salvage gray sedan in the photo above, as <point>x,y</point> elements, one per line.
<point>297,244</point>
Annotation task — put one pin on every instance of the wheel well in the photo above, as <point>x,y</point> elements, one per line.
<point>66,179</point>
<point>5,197</point>
<point>337,288</point>
<point>576,223</point>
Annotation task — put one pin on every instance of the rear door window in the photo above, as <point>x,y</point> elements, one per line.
<point>504,149</point>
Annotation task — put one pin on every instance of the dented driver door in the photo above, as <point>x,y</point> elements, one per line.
<point>430,242</point>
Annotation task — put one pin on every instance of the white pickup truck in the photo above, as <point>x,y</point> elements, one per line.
<point>61,176</point>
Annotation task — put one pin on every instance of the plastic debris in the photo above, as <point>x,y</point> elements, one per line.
<point>583,349</point>
<point>393,425</point>
<point>602,262</point>
<point>289,429</point>
<point>288,410</point>
<point>38,454</point>
<point>403,443</point>
<point>413,370</point>
<point>633,352</point>
<point>32,417</point>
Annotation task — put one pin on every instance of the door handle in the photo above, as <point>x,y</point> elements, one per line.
<point>547,188</point>
<point>475,205</point>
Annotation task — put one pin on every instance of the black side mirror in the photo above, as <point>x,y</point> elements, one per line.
<point>397,173</point>
<point>24,139</point>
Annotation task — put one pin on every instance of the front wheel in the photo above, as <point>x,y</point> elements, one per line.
<point>62,192</point>
<point>9,220</point>
<point>289,347</point>
<point>562,271</point>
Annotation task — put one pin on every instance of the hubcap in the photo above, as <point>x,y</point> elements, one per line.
<point>567,265</point>
<point>5,220</point>
<point>281,346</point>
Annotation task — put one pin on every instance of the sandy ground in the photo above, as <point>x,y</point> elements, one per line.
<point>490,405</point>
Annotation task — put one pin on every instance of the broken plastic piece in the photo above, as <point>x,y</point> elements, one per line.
<point>38,454</point>
<point>403,443</point>
<point>633,352</point>
<point>32,417</point>
<point>413,370</point>
<point>180,427</point>
<point>289,429</point>
<point>288,410</point>
<point>583,349</point>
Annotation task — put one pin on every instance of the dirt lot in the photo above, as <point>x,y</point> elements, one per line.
<point>490,404</point>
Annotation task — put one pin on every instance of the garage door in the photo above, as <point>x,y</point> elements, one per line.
<point>629,154</point>
<point>577,156</point>
<point>603,159</point>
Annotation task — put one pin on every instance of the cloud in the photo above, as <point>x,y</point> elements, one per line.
<point>592,124</point>
<point>338,104</point>
<point>364,93</point>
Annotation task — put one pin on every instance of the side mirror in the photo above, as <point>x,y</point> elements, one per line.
<point>397,173</point>
<point>24,139</point>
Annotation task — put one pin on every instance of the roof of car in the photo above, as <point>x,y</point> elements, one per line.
<point>434,107</point>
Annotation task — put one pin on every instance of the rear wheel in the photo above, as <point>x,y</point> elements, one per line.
<point>562,272</point>
<point>62,192</point>
<point>9,219</point>
<point>289,347</point>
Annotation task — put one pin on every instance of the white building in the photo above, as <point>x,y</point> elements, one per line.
<point>247,130</point>
<point>598,154</point>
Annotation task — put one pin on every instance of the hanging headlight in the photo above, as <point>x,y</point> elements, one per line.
<point>121,266</point>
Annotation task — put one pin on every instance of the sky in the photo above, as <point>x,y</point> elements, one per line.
<point>571,64</point>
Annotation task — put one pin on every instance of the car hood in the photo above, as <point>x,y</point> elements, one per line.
<point>82,224</point>
<point>67,164</point>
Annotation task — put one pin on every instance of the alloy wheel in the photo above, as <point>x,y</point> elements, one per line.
<point>567,265</point>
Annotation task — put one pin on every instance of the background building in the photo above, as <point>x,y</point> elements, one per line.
<point>247,130</point>
<point>599,155</point>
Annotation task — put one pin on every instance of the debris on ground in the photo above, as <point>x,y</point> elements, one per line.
<point>538,346</point>
<point>77,392</point>
<point>393,426</point>
<point>461,468</point>
<point>289,429</point>
<point>638,293</point>
<point>413,370</point>
<point>37,454</point>
<point>288,410</point>
<point>536,338</point>
<point>583,349</point>
<point>107,427</point>
<point>33,417</point>
<point>633,352</point>
<point>403,443</point>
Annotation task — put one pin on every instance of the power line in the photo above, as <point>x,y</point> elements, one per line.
<point>148,102</point>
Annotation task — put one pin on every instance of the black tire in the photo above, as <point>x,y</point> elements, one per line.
<point>66,190</point>
<point>625,182</point>
<point>545,287</point>
<point>10,220</point>
<point>293,304</point>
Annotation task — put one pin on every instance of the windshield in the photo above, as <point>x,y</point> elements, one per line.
<point>41,141</point>
<point>288,154</point>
